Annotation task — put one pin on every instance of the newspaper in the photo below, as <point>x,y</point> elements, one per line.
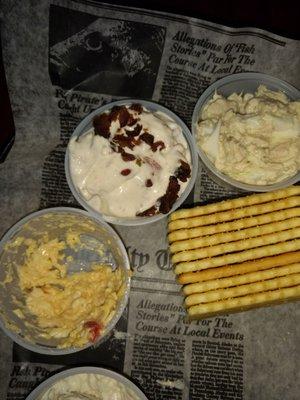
<point>64,59</point>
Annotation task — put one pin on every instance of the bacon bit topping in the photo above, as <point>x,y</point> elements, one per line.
<point>147,213</point>
<point>125,172</point>
<point>132,121</point>
<point>101,125</point>
<point>124,117</point>
<point>167,200</point>
<point>135,132</point>
<point>127,156</point>
<point>149,183</point>
<point>158,145</point>
<point>121,114</point>
<point>114,113</point>
<point>136,107</point>
<point>147,138</point>
<point>94,328</point>
<point>183,172</point>
<point>136,142</point>
<point>124,141</point>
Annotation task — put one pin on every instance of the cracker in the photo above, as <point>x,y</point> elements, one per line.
<point>234,236</point>
<point>234,213</point>
<point>243,290</point>
<point>244,303</point>
<point>243,223</point>
<point>237,280</point>
<point>240,268</point>
<point>235,203</point>
<point>238,245</point>
<point>252,254</point>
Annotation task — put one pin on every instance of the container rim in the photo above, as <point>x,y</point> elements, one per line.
<point>40,389</point>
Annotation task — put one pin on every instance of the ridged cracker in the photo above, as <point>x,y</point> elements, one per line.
<point>239,245</point>
<point>242,223</point>
<point>252,254</point>
<point>257,276</point>
<point>240,268</point>
<point>236,203</point>
<point>244,303</point>
<point>243,290</point>
<point>247,233</point>
<point>234,213</point>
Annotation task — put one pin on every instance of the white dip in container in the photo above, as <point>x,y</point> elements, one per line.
<point>253,138</point>
<point>134,162</point>
<point>89,387</point>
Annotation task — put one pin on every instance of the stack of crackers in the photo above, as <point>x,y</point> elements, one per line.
<point>239,253</point>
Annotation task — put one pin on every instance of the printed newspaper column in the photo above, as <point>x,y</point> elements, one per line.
<point>24,377</point>
<point>165,353</point>
<point>178,359</point>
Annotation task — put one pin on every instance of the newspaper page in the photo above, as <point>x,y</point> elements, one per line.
<point>63,60</point>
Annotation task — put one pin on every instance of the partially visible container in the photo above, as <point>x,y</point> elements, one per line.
<point>38,392</point>
<point>87,124</point>
<point>246,82</point>
<point>94,233</point>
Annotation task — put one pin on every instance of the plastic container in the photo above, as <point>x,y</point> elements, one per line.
<point>86,124</point>
<point>93,233</point>
<point>38,392</point>
<point>246,82</point>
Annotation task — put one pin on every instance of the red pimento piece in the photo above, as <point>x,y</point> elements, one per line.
<point>125,172</point>
<point>94,328</point>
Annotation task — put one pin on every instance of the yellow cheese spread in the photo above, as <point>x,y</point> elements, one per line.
<point>73,307</point>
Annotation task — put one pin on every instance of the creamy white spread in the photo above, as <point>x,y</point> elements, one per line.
<point>89,387</point>
<point>253,138</point>
<point>116,186</point>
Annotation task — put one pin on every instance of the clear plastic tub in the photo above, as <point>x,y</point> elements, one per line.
<point>38,392</point>
<point>86,124</point>
<point>93,234</point>
<point>246,82</point>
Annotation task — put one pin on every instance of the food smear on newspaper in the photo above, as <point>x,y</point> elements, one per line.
<point>134,162</point>
<point>74,307</point>
<point>253,138</point>
<point>238,254</point>
<point>90,387</point>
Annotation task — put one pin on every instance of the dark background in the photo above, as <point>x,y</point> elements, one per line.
<point>281,17</point>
